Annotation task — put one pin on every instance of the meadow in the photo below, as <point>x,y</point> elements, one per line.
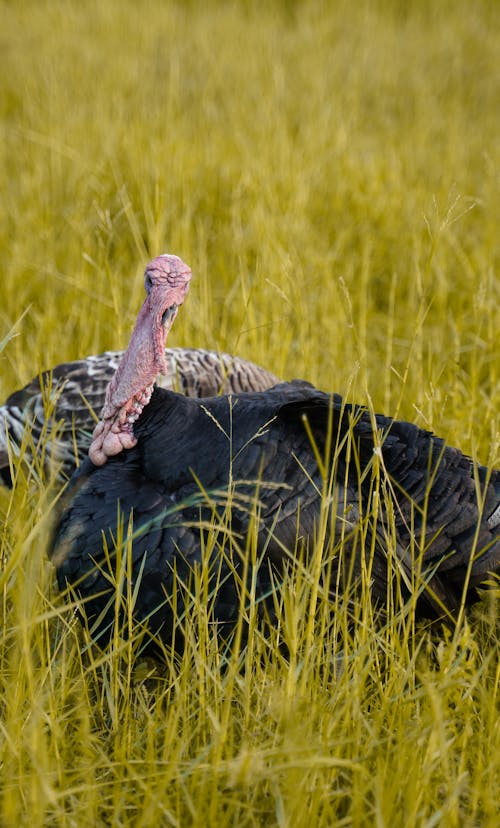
<point>330,171</point>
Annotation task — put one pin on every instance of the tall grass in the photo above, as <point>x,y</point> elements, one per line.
<point>330,172</point>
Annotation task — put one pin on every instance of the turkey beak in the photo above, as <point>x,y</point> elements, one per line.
<point>163,301</point>
<point>168,316</point>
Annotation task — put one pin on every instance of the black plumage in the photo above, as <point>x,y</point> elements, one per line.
<point>269,460</point>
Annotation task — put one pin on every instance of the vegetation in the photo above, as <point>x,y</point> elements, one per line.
<point>330,172</point>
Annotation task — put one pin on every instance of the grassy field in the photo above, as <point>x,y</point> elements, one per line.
<point>330,171</point>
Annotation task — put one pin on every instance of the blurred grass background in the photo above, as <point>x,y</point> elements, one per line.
<point>330,171</point>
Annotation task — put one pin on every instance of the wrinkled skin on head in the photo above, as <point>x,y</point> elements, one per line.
<point>166,281</point>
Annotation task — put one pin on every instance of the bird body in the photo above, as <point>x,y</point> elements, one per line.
<point>249,459</point>
<point>174,480</point>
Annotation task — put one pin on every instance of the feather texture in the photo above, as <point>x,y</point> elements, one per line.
<point>265,459</point>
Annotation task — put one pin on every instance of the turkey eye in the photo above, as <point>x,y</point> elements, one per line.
<point>148,284</point>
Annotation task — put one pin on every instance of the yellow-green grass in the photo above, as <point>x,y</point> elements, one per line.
<point>331,173</point>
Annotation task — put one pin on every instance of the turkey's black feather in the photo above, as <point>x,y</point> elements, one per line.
<point>248,459</point>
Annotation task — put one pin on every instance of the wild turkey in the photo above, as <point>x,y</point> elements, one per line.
<point>72,391</point>
<point>272,463</point>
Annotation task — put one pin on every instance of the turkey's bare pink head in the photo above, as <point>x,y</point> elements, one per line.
<point>166,280</point>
